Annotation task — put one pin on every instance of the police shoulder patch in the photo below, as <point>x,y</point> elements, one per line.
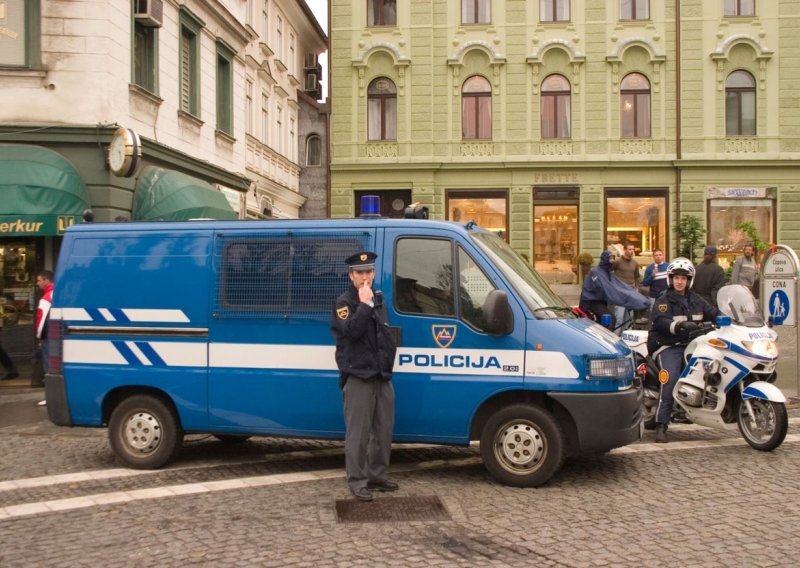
<point>662,308</point>
<point>343,313</point>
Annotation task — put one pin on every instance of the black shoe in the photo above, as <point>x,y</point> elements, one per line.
<point>362,494</point>
<point>661,434</point>
<point>387,485</point>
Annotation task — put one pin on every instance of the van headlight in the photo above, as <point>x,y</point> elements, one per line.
<point>762,348</point>
<point>618,368</point>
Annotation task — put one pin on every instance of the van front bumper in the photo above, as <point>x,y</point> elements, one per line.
<point>55,392</point>
<point>603,421</point>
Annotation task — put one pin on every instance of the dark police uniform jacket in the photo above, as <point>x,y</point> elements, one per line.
<point>672,308</point>
<point>364,345</point>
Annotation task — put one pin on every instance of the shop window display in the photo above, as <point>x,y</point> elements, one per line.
<point>487,209</point>
<point>639,218</point>
<point>727,214</point>
<point>555,242</point>
<point>17,285</point>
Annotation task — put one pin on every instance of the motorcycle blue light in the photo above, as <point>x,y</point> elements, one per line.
<point>723,321</point>
<point>370,206</point>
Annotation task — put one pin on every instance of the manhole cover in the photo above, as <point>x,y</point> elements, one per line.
<point>391,510</point>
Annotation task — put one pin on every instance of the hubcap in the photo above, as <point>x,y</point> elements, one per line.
<point>520,446</point>
<point>142,432</point>
<point>761,425</point>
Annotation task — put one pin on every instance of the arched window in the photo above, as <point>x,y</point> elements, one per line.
<point>476,108</point>
<point>313,150</point>
<point>634,106</point>
<point>556,93</point>
<point>382,109</point>
<point>740,104</point>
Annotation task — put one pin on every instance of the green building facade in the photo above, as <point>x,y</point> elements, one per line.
<point>571,127</point>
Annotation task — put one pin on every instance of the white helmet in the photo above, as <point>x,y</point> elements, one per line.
<point>682,266</point>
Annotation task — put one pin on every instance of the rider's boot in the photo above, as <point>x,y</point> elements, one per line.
<point>661,434</point>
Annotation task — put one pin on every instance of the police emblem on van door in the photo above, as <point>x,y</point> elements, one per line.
<point>443,335</point>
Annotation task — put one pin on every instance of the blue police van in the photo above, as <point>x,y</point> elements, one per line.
<point>223,327</point>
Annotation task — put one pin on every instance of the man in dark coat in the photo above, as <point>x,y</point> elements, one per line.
<point>709,276</point>
<point>365,357</point>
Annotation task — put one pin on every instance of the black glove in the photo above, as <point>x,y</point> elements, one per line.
<point>686,327</point>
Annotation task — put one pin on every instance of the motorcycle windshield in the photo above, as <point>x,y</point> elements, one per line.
<point>738,302</point>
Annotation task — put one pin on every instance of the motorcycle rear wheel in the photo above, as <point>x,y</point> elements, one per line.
<point>767,429</point>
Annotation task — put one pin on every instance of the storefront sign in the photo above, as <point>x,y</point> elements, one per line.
<point>556,177</point>
<point>779,274</point>
<point>736,192</point>
<point>36,225</point>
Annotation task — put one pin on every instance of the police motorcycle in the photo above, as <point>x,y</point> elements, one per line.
<point>729,374</point>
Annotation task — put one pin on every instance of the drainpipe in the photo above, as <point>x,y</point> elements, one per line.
<point>678,137</point>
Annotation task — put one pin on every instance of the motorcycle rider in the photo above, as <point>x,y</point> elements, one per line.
<point>675,314</point>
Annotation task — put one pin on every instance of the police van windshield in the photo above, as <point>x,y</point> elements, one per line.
<point>538,296</point>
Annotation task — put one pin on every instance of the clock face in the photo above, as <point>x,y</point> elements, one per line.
<point>124,152</point>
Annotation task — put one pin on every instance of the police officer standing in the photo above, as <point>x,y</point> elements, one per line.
<point>365,356</point>
<point>674,316</point>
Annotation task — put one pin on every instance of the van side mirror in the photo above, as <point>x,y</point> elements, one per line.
<point>497,316</point>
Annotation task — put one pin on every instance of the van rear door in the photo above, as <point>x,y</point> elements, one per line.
<point>447,363</point>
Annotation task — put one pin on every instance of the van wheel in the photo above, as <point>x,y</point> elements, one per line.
<point>231,438</point>
<point>144,432</point>
<point>522,445</point>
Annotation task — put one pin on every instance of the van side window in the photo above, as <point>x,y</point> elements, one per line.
<point>423,277</point>
<point>474,286</point>
<point>283,275</point>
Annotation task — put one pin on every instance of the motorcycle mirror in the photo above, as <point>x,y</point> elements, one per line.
<point>723,321</point>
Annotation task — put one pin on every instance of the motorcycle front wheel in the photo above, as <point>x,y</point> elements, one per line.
<point>767,428</point>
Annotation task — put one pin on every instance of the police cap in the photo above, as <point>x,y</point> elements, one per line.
<point>363,260</point>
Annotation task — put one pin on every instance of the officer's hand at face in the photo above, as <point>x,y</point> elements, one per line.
<point>686,327</point>
<point>365,293</point>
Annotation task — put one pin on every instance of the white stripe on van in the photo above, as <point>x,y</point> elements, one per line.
<point>107,315</point>
<point>138,352</point>
<point>72,314</point>
<point>255,356</point>
<point>455,362</point>
<point>92,351</point>
<point>162,316</point>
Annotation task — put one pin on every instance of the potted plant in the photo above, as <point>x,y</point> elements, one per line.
<point>690,233</point>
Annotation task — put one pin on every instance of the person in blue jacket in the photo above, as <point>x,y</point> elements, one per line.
<point>655,275</point>
<point>601,288</point>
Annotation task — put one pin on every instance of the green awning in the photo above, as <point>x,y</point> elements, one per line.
<point>167,195</point>
<point>41,193</point>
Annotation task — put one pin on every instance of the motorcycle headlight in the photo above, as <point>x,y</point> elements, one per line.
<point>619,368</point>
<point>762,347</point>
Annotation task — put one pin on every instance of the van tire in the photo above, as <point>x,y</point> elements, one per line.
<point>522,445</point>
<point>144,432</point>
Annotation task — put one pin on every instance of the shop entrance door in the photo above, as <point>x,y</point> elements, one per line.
<point>555,242</point>
<point>18,266</point>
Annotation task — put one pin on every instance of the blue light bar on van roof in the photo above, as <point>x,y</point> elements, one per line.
<point>370,206</point>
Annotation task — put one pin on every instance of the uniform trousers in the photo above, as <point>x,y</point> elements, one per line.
<point>670,360</point>
<point>369,419</point>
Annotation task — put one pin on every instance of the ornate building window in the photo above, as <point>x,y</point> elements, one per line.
<point>740,8</point>
<point>556,107</point>
<point>634,9</point>
<point>381,12</point>
<point>476,11</point>
<point>554,10</point>
<point>476,108</point>
<point>634,107</point>
<point>382,110</point>
<point>740,104</point>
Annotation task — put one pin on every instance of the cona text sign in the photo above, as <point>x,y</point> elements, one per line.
<point>779,273</point>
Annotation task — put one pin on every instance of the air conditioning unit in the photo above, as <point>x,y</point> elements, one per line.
<point>149,13</point>
<point>310,61</point>
<point>311,82</point>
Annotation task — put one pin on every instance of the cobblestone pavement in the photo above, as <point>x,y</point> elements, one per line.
<point>705,499</point>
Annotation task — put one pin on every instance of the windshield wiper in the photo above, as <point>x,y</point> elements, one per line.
<point>554,309</point>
